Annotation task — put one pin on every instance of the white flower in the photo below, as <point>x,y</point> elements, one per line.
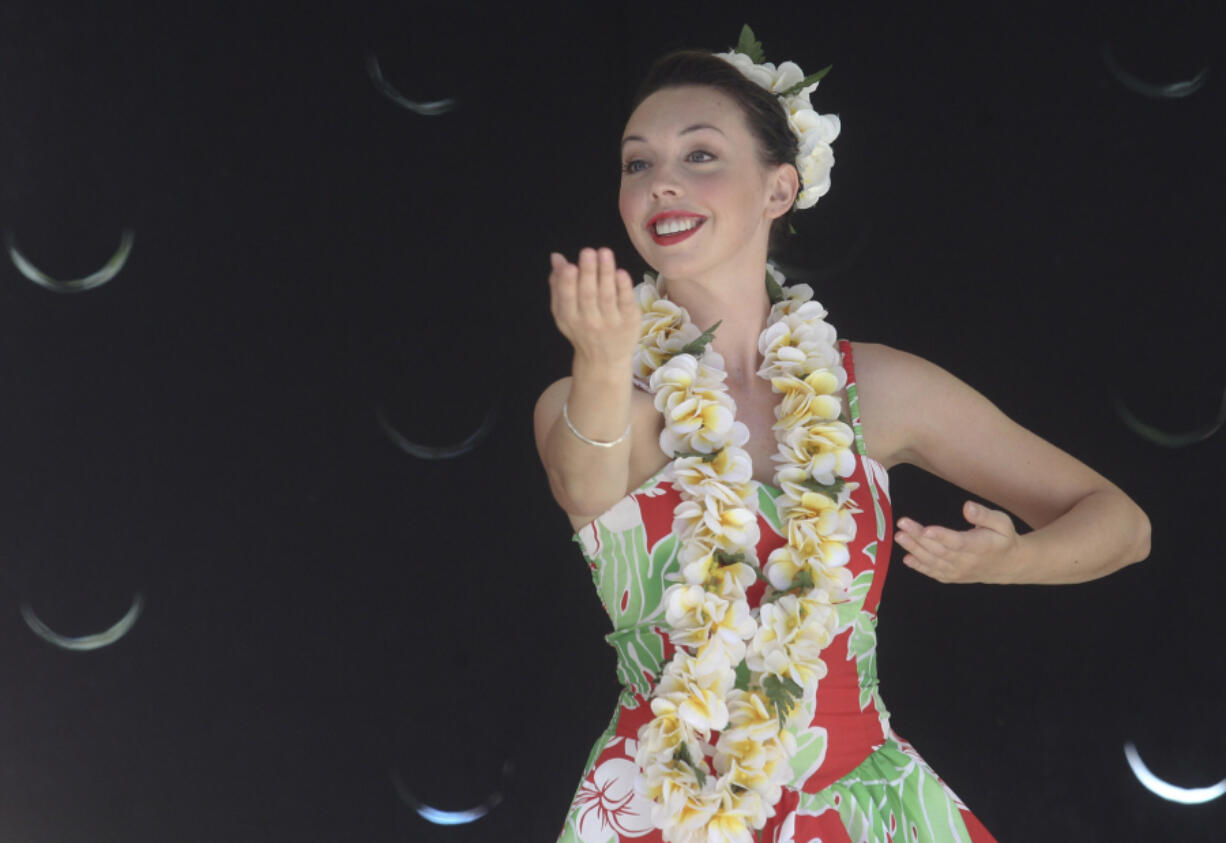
<point>800,342</point>
<point>609,805</point>
<point>725,477</point>
<point>814,132</point>
<point>815,173</point>
<point>716,521</point>
<point>762,75</point>
<point>813,128</point>
<point>782,566</point>
<point>733,527</point>
<point>694,688</point>
<point>807,399</point>
<point>731,581</point>
<point>659,738</point>
<point>818,526</point>
<point>698,617</point>
<point>823,450</point>
<point>699,415</point>
<point>666,329</point>
<point>750,720</point>
<point>731,465</point>
<point>788,75</point>
<point>791,636</point>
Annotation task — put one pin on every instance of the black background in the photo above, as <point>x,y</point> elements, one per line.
<point>326,615</point>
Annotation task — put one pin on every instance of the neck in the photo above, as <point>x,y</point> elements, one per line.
<point>738,301</point>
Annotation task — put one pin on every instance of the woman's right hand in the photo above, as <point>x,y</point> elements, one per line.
<point>593,306</point>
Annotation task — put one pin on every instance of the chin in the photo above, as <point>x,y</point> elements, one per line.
<point>679,267</point>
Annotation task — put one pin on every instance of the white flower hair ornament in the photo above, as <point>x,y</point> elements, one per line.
<point>815,132</point>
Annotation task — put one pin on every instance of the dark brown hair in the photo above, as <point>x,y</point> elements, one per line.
<point>764,113</point>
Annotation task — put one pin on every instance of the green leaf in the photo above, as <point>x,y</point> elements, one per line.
<point>703,457</point>
<point>807,81</point>
<point>783,695</point>
<point>800,585</point>
<point>832,491</point>
<point>742,676</point>
<point>773,290</point>
<point>699,345</point>
<point>750,46</point>
<point>683,755</point>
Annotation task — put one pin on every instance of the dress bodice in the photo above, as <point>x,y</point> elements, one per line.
<point>632,552</point>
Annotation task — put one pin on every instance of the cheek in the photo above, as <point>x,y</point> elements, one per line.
<point>628,206</point>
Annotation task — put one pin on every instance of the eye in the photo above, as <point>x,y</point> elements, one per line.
<point>634,165</point>
<point>699,156</point>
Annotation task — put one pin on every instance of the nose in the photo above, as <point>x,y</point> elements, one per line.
<point>664,183</point>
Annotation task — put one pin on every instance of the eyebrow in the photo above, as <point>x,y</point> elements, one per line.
<point>684,131</point>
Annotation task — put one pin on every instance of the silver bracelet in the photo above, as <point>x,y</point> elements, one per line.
<point>574,430</point>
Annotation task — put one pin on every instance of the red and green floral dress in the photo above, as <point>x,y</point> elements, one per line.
<point>853,778</point>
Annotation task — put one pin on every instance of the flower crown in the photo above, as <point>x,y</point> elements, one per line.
<point>815,132</point>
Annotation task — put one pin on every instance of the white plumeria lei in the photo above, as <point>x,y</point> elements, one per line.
<point>745,673</point>
<point>815,132</point>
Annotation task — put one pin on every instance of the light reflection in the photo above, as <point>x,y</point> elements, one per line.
<point>1171,440</point>
<point>78,285</point>
<point>1166,790</point>
<point>440,817</point>
<point>426,109</point>
<point>437,452</point>
<point>1173,90</point>
<point>84,643</point>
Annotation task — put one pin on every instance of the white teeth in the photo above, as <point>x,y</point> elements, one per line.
<point>674,225</point>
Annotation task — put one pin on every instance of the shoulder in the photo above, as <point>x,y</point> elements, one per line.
<point>877,363</point>
<point>914,411</point>
<point>888,381</point>
<point>911,403</point>
<point>925,416</point>
<point>892,377</point>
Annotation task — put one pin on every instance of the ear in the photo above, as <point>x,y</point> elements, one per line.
<point>784,185</point>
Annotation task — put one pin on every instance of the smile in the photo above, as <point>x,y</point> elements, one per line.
<point>669,228</point>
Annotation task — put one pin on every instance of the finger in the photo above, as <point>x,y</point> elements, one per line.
<point>925,547</point>
<point>586,292</point>
<point>556,262</point>
<point>941,539</point>
<point>990,519</point>
<point>565,294</point>
<point>607,281</point>
<point>625,295</point>
<point>923,560</point>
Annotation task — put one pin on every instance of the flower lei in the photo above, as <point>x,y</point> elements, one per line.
<point>814,131</point>
<point>745,673</point>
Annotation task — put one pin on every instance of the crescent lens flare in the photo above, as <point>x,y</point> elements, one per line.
<point>1166,790</point>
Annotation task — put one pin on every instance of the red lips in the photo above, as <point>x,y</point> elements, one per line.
<point>670,239</point>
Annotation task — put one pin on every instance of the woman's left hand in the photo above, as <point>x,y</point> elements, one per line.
<point>985,553</point>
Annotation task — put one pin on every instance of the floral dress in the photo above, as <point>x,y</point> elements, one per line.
<point>854,779</point>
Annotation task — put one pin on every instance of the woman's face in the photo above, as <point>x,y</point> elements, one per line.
<point>693,191</point>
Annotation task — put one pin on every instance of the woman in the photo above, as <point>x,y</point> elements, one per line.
<point>734,507</point>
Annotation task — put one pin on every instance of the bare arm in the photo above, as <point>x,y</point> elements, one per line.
<point>1084,526</point>
<point>593,305</point>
